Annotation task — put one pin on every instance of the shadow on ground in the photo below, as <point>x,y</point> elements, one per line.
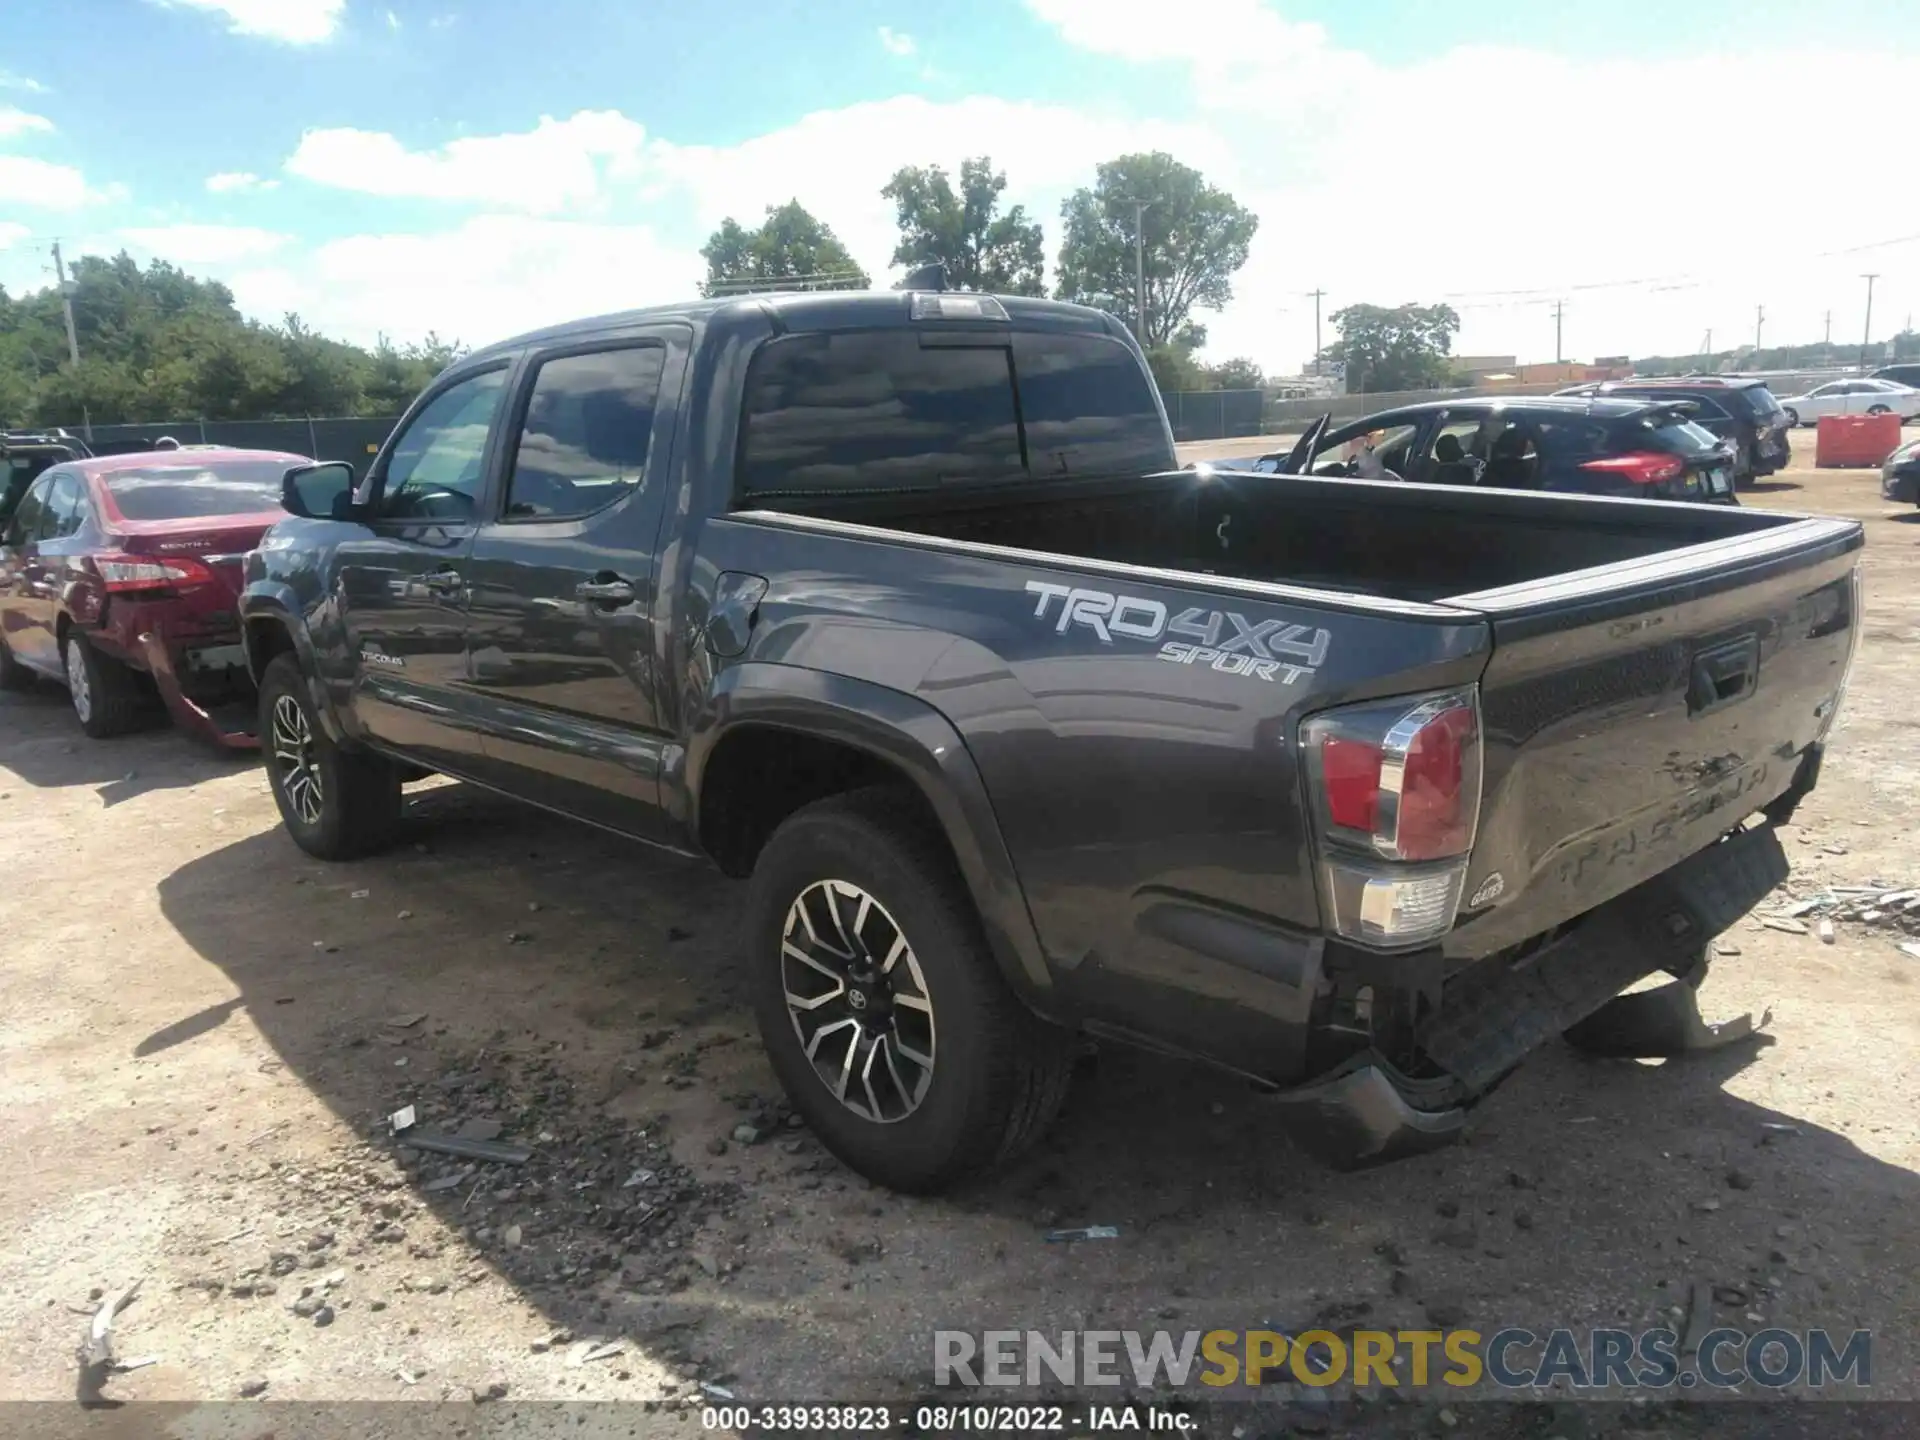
<point>43,744</point>
<point>1588,1193</point>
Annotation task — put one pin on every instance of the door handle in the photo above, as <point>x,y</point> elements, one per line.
<point>610,590</point>
<point>443,582</point>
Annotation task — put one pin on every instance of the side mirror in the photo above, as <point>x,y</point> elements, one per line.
<point>318,492</point>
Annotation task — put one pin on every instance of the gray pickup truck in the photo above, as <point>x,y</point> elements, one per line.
<point>898,604</point>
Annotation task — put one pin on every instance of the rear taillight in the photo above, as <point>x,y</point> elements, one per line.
<point>121,574</point>
<point>1396,798</point>
<point>1642,467</point>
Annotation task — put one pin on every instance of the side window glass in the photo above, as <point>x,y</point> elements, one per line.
<point>62,515</point>
<point>584,443</point>
<point>434,469</point>
<point>25,525</point>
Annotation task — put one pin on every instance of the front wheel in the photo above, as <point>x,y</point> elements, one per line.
<point>336,803</point>
<point>879,1002</point>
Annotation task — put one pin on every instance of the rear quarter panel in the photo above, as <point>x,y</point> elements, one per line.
<point>1121,779</point>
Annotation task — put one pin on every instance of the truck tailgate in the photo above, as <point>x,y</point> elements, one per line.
<point>1636,712</point>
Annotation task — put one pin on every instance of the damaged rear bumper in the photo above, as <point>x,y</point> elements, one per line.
<point>1492,1015</point>
<point>158,652</point>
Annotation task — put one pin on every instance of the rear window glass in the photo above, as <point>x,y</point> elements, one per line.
<point>1670,434</point>
<point>186,492</point>
<point>876,411</point>
<point>1569,438</point>
<point>1760,400</point>
<point>1087,408</point>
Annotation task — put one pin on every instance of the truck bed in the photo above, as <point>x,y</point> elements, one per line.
<point>1400,542</point>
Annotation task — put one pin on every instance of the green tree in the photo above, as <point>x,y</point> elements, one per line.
<point>1239,373</point>
<point>158,344</point>
<point>981,248</point>
<point>1402,347</point>
<point>790,250</point>
<point>1194,239</point>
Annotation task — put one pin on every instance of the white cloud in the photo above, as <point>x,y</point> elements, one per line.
<point>896,42</point>
<point>557,164</point>
<point>1451,177</point>
<point>238,182</point>
<point>40,184</point>
<point>13,233</point>
<point>492,276</point>
<point>15,122</point>
<point>10,81</point>
<point>190,244</point>
<point>293,22</point>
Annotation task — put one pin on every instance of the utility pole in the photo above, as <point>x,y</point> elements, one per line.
<point>1866,335</point>
<point>1759,320</point>
<point>1316,294</point>
<point>1559,309</point>
<point>66,304</point>
<point>1707,349</point>
<point>1140,271</point>
<point>1829,339</point>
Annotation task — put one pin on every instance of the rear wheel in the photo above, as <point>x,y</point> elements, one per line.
<point>1793,417</point>
<point>1878,410</point>
<point>105,695</point>
<point>880,1004</point>
<point>336,803</point>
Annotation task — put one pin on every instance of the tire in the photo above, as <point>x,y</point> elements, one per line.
<point>336,804</point>
<point>1793,417</point>
<point>1878,410</point>
<point>105,694</point>
<point>13,675</point>
<point>995,1074</point>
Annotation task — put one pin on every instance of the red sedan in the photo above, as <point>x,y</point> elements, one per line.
<point>119,577</point>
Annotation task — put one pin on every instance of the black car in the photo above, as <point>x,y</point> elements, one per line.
<point>1900,476</point>
<point>1631,448</point>
<point>1906,373</point>
<point>24,454</point>
<point>1742,411</point>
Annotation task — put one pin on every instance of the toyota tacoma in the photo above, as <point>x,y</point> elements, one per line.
<point>897,604</point>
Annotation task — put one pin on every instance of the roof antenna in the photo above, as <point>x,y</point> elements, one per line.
<point>926,277</point>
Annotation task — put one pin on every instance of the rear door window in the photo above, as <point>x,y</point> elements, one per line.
<point>24,527</point>
<point>65,508</point>
<point>589,425</point>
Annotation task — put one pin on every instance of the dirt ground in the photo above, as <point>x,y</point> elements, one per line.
<point>202,1032</point>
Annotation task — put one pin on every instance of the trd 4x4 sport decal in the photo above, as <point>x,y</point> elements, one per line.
<point>1219,639</point>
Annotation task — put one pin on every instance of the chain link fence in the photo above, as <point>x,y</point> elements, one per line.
<point>350,438</point>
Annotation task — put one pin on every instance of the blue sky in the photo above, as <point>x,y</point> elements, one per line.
<point>476,166</point>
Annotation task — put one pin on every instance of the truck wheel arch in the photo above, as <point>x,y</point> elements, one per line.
<point>773,741</point>
<point>270,628</point>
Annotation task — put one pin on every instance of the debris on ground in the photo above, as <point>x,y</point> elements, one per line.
<point>96,1351</point>
<point>493,1152</point>
<point>252,1386</point>
<point>589,1351</point>
<point>1085,1232</point>
<point>403,1118</point>
<point>407,1021</point>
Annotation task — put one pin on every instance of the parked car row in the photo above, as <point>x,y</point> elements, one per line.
<point>1619,446</point>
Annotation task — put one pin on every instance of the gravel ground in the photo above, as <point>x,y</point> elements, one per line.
<point>205,1032</point>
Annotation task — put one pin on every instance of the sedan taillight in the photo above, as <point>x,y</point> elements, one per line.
<point>1642,467</point>
<point>1396,800</point>
<point>122,574</point>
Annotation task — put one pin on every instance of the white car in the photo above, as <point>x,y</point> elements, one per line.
<point>1852,397</point>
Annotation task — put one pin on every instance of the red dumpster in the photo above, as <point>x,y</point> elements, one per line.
<point>1855,439</point>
